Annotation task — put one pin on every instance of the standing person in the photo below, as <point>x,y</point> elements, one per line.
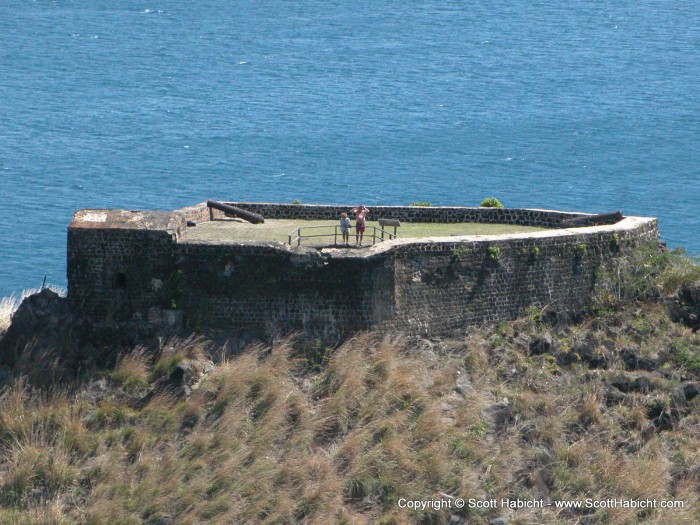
<point>360,213</point>
<point>345,228</point>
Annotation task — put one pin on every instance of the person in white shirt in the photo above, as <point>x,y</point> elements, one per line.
<point>345,228</point>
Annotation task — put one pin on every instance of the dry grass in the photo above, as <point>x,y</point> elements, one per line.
<point>267,438</point>
<point>8,305</point>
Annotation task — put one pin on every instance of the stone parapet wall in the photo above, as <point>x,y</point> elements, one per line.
<point>271,290</point>
<point>443,214</point>
<point>445,286</point>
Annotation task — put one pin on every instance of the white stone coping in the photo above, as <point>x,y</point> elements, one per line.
<point>626,224</point>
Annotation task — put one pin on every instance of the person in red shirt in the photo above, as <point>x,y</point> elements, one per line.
<point>360,213</point>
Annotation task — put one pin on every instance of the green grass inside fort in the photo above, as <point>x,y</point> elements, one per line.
<point>280,229</point>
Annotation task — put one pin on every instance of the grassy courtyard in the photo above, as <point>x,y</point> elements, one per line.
<point>280,229</point>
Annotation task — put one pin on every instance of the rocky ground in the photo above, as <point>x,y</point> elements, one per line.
<point>177,430</point>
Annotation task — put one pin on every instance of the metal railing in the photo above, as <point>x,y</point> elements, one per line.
<point>378,234</point>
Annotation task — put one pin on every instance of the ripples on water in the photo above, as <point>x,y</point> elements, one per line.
<point>578,106</point>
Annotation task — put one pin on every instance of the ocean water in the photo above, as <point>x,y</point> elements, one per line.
<point>577,105</point>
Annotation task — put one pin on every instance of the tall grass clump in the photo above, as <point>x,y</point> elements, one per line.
<point>8,306</point>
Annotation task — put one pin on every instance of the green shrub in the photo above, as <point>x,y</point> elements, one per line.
<point>423,204</point>
<point>296,201</point>
<point>493,252</point>
<point>491,202</point>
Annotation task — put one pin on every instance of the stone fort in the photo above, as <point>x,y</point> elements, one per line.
<point>157,268</point>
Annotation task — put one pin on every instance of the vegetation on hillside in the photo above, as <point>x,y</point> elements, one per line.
<point>607,407</point>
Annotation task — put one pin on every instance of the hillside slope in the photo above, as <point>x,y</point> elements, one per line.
<point>188,432</point>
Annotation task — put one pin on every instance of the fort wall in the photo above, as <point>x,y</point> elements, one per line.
<point>137,267</point>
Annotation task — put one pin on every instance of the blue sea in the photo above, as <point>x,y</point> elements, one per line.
<point>576,105</point>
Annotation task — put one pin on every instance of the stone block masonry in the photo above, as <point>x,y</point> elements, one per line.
<point>438,214</point>
<point>126,266</point>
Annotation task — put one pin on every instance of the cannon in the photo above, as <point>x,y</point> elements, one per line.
<point>232,211</point>
<point>593,220</point>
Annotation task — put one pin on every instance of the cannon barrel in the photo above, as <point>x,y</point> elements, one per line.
<point>232,211</point>
<point>593,220</point>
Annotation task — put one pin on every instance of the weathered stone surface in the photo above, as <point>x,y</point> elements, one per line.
<point>463,385</point>
<point>165,318</point>
<point>642,384</point>
<point>36,315</point>
<point>96,390</point>
<point>587,353</point>
<point>620,382</point>
<point>45,329</point>
<point>182,374</point>
<point>613,396</point>
<point>626,384</point>
<point>567,358</point>
<point>684,394</point>
<point>633,361</point>
<point>691,390</point>
<point>542,344</point>
<point>685,306</point>
<point>500,414</point>
<point>667,416</point>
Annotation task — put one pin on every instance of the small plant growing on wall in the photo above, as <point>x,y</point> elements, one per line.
<point>458,254</point>
<point>174,290</point>
<point>423,204</point>
<point>493,253</point>
<point>582,249</point>
<point>615,242</point>
<point>534,313</point>
<point>491,202</point>
<point>296,201</point>
<point>534,253</point>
